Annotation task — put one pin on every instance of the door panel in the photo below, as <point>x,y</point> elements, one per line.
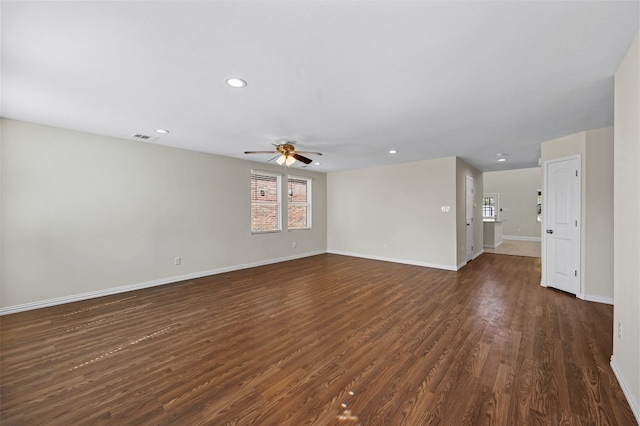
<point>562,225</point>
<point>562,250</point>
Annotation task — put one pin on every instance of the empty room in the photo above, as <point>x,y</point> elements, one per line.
<point>286,213</point>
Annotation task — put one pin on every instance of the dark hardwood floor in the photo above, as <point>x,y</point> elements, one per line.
<point>325,340</point>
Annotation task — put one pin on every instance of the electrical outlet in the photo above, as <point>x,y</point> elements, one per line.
<point>177,261</point>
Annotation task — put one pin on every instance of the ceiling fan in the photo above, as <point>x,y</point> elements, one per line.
<point>287,153</point>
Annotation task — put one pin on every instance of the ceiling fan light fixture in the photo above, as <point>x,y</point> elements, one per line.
<point>236,82</point>
<point>285,159</point>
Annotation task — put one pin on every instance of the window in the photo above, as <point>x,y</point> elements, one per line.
<point>490,207</point>
<point>539,207</point>
<point>299,202</point>
<point>265,202</point>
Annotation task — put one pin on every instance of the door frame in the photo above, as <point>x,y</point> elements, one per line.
<point>469,214</point>
<point>545,206</point>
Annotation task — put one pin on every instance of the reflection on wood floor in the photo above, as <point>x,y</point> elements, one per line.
<point>325,340</point>
<point>517,248</point>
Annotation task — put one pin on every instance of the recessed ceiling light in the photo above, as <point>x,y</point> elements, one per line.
<point>502,160</point>
<point>163,131</point>
<point>316,163</point>
<point>393,151</point>
<point>236,82</point>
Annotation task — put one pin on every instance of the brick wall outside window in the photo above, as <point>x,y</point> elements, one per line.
<point>265,202</point>
<point>298,203</point>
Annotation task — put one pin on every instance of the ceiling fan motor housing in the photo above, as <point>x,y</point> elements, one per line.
<point>285,149</point>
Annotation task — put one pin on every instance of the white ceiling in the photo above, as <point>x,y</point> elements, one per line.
<point>352,79</point>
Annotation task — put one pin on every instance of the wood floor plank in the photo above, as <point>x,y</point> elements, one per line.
<point>324,340</point>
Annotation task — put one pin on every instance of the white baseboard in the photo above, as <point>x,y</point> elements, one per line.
<point>519,238</point>
<point>633,404</point>
<point>587,297</point>
<point>394,260</point>
<point>493,246</point>
<point>138,286</point>
<point>595,298</point>
<point>475,255</point>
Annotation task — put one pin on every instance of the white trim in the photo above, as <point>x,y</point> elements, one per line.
<point>496,206</point>
<point>634,408</point>
<point>493,246</point>
<point>595,298</point>
<point>519,238</point>
<point>469,215</point>
<point>473,257</point>
<point>138,286</point>
<point>394,260</point>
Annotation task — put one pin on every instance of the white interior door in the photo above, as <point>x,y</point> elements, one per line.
<point>469,218</point>
<point>562,224</point>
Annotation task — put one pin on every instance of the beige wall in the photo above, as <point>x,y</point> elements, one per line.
<point>394,213</point>
<point>87,215</point>
<point>595,148</point>
<point>598,218</point>
<point>626,268</point>
<point>518,190</point>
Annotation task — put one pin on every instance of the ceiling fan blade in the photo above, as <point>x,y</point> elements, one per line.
<point>309,152</point>
<point>261,152</point>
<point>299,157</point>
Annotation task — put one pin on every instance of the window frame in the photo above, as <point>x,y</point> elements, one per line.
<point>495,206</point>
<point>278,202</point>
<point>307,204</point>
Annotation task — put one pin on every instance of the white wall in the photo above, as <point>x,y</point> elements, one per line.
<point>596,257</point>
<point>518,191</point>
<point>626,347</point>
<point>87,215</point>
<point>394,213</point>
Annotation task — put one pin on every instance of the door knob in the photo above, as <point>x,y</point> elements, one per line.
<point>549,231</point>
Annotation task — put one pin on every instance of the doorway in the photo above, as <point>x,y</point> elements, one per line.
<point>469,218</point>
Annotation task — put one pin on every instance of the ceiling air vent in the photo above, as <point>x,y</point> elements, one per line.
<point>143,137</point>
